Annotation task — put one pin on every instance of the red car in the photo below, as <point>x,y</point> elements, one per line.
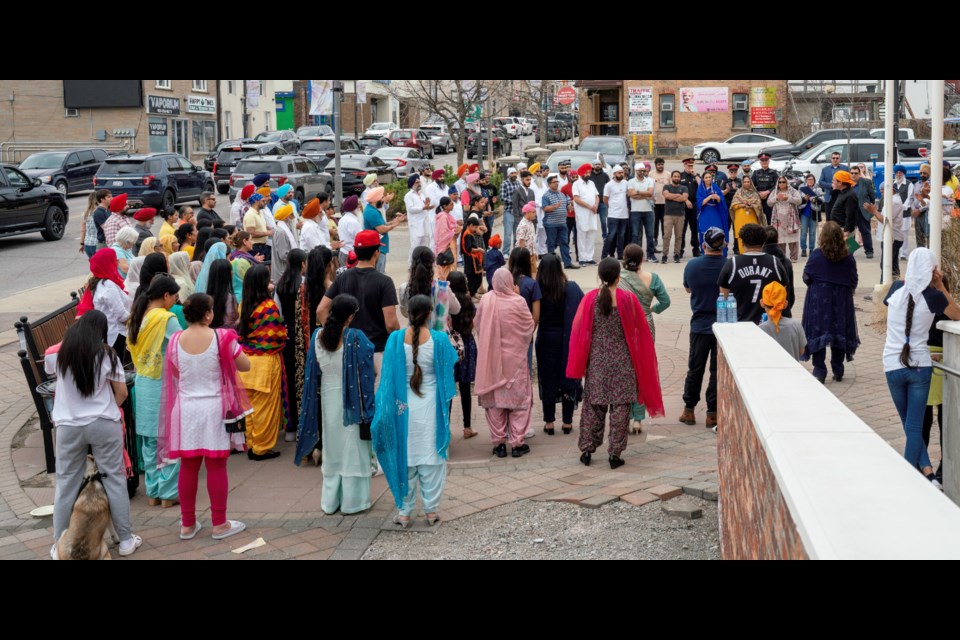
<point>413,138</point>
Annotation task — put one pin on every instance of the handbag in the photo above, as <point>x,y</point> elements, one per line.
<point>456,341</point>
<point>231,422</point>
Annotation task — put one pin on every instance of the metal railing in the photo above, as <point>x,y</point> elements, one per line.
<point>946,369</point>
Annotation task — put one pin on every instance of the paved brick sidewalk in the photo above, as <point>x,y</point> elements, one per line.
<point>280,502</point>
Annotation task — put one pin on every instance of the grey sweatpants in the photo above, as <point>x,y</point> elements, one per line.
<point>106,439</point>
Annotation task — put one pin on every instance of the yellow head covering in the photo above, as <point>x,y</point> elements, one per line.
<point>283,212</point>
<point>264,191</point>
<point>167,243</point>
<point>775,297</point>
<point>147,247</point>
<point>534,167</point>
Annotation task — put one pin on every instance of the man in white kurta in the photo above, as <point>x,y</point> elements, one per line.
<point>539,186</point>
<point>418,210</point>
<point>586,204</point>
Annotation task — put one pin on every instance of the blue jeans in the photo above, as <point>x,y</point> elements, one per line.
<point>602,211</point>
<point>641,222</point>
<point>557,236</point>
<point>909,389</point>
<point>808,233</point>
<point>382,263</point>
<point>508,226</point>
<point>89,249</point>
<point>618,229</point>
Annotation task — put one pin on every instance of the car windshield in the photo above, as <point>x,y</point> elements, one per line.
<point>317,145</point>
<point>575,160</point>
<point>44,161</point>
<point>390,153</point>
<point>405,135</point>
<point>813,152</point>
<point>232,155</point>
<point>121,167</point>
<point>612,147</point>
<point>379,126</point>
<point>322,130</point>
<point>258,166</point>
<point>268,136</point>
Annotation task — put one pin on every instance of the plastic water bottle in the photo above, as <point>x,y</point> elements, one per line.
<point>731,309</point>
<point>764,318</point>
<point>721,309</point>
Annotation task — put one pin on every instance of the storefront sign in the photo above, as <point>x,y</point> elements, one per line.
<point>640,107</point>
<point>201,104</point>
<point>704,100</point>
<point>158,128</point>
<point>763,108</point>
<point>163,105</point>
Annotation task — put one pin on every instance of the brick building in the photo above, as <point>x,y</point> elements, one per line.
<point>676,114</point>
<point>139,116</point>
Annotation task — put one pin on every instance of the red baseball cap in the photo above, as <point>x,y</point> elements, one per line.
<point>367,238</point>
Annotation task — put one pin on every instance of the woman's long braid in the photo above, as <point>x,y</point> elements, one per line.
<point>905,354</point>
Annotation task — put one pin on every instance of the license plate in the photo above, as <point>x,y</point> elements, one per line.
<point>118,183</point>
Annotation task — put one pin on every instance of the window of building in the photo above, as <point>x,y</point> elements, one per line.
<point>164,84</point>
<point>159,135</point>
<point>230,87</point>
<point>204,135</point>
<point>741,111</point>
<point>667,102</point>
<point>200,85</point>
<point>227,125</point>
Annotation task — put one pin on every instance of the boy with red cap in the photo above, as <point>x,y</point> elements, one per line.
<point>493,259</point>
<point>117,220</point>
<point>144,218</point>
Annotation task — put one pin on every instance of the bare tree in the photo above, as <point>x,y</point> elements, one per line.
<point>450,100</point>
<point>538,95</point>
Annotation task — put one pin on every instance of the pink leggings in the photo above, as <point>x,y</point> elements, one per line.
<point>216,488</point>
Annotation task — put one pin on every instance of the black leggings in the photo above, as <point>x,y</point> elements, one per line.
<point>566,410</point>
<point>466,403</point>
<point>474,282</point>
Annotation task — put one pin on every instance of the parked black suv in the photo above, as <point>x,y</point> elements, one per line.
<point>286,139</point>
<point>228,158</point>
<point>68,170</point>
<point>27,206</point>
<point>210,159</point>
<point>321,148</point>
<point>155,180</point>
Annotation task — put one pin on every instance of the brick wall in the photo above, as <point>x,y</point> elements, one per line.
<point>37,114</point>
<point>755,523</point>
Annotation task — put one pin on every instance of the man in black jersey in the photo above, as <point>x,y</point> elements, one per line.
<point>746,275</point>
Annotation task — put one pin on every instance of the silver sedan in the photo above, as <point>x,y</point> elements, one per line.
<point>404,160</point>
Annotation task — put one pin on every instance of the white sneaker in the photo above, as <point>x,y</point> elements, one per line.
<point>714,429</point>
<point>936,484</point>
<point>53,552</point>
<point>130,545</point>
<point>290,436</point>
<point>529,434</point>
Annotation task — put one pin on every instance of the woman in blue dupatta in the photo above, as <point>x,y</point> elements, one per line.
<point>411,428</point>
<point>337,409</point>
<point>712,208</point>
<point>216,252</point>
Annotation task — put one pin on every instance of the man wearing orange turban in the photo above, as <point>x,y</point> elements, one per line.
<point>787,332</point>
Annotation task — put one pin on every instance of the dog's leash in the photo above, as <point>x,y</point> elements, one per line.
<point>98,476</point>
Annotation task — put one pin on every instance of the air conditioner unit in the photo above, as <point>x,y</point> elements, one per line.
<point>72,113</point>
<point>739,105</point>
<point>666,106</point>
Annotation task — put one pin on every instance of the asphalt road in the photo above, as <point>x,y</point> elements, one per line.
<point>28,261</point>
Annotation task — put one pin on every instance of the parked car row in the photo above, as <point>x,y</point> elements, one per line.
<point>557,131</point>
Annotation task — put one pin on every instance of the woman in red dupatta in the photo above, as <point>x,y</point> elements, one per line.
<point>502,383</point>
<point>609,345</point>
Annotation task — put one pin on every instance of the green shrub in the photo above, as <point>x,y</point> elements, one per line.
<point>399,189</point>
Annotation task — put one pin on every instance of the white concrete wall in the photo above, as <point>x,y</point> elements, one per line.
<point>851,495</point>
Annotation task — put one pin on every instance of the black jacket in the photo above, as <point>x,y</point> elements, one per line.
<point>765,180</point>
<point>844,208</point>
<point>787,267</point>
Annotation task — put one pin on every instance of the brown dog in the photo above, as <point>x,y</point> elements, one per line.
<point>90,522</point>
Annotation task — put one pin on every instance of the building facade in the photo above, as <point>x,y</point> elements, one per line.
<point>137,116</point>
<point>364,102</point>
<point>671,116</point>
<point>257,96</point>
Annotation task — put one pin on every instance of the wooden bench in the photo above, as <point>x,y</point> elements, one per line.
<point>36,338</point>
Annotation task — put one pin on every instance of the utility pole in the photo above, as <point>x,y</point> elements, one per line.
<point>337,178</point>
<point>935,213</point>
<point>356,105</point>
<point>889,160</point>
<point>243,102</point>
<point>489,131</point>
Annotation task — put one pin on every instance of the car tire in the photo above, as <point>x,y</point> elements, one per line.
<point>710,156</point>
<point>168,199</point>
<point>222,190</point>
<point>62,187</point>
<point>55,223</point>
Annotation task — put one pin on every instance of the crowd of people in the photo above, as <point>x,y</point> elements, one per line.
<point>281,320</point>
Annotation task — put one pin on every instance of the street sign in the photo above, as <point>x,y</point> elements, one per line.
<point>566,95</point>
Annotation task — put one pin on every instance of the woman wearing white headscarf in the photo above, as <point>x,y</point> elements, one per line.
<point>132,281</point>
<point>912,305</point>
<point>180,270</point>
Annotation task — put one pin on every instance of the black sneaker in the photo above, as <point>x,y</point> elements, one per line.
<point>676,259</point>
<point>663,260</point>
<point>803,254</point>
<point>523,449</point>
<point>869,256</point>
<point>500,450</point>
<point>572,266</point>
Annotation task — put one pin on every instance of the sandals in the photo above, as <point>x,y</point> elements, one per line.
<point>235,528</point>
<point>404,524</point>
<point>193,534</point>
<point>551,431</point>
<point>469,433</point>
<point>434,519</point>
<point>566,430</point>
